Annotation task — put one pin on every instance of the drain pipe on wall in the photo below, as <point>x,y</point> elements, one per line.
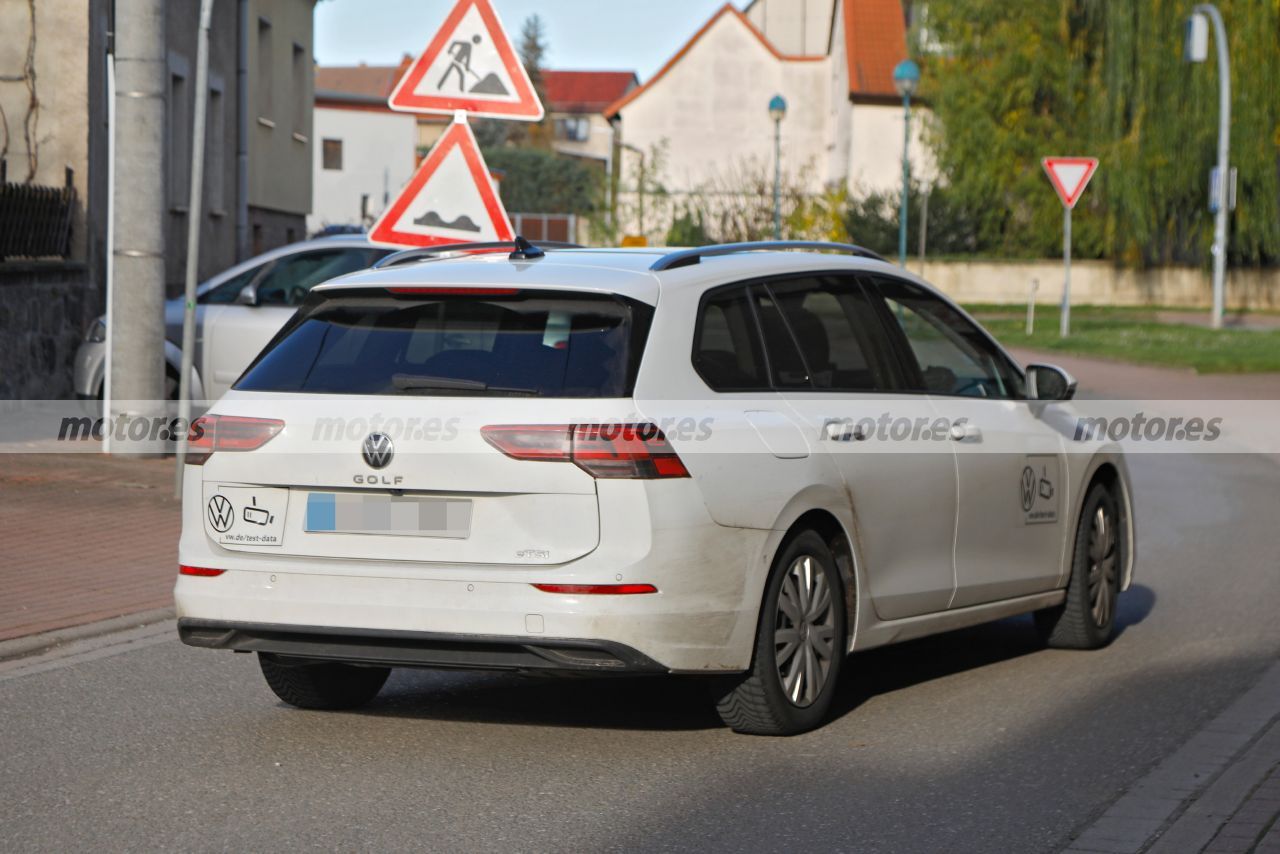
<point>242,133</point>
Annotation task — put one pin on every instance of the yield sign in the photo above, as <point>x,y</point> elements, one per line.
<point>450,199</point>
<point>470,65</point>
<point>1069,176</point>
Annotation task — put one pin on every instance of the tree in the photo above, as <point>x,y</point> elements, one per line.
<point>538,181</point>
<point>1014,82</point>
<point>492,133</point>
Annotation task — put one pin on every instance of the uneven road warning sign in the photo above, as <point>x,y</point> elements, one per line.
<point>470,65</point>
<point>450,199</point>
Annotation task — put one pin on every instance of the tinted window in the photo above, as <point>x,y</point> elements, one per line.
<point>834,326</point>
<point>533,343</point>
<point>952,355</point>
<point>785,362</point>
<point>291,278</point>
<point>726,347</point>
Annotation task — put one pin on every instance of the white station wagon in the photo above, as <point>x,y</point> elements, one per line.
<point>739,461</point>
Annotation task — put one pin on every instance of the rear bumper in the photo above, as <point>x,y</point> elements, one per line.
<point>420,649</point>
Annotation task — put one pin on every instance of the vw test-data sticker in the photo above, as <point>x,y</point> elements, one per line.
<point>245,515</point>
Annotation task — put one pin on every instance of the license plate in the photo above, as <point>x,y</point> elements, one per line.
<point>401,515</point>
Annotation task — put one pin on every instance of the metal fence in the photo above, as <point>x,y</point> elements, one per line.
<point>35,219</point>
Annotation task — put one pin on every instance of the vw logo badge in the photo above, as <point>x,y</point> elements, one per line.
<point>377,450</point>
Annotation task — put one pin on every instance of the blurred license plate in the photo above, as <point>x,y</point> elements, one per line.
<point>414,516</point>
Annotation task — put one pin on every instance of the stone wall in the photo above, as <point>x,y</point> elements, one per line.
<point>1098,283</point>
<point>45,308</point>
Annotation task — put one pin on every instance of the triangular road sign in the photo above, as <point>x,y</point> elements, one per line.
<point>1069,176</point>
<point>450,199</point>
<point>470,65</point>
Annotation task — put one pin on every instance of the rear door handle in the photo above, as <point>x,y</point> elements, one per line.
<point>963,431</point>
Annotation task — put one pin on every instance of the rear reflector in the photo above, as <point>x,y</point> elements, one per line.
<point>601,450</point>
<point>211,433</point>
<point>455,292</point>
<point>597,589</point>
<point>199,571</point>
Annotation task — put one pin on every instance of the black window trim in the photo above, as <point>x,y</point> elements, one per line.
<point>855,279</point>
<point>906,356</point>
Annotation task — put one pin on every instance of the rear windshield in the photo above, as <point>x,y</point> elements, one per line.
<point>523,344</point>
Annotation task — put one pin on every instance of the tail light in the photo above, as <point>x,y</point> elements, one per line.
<point>601,450</point>
<point>597,589</point>
<point>199,571</point>
<point>211,433</point>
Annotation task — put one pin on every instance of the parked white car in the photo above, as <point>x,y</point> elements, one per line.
<point>237,312</point>
<point>639,461</point>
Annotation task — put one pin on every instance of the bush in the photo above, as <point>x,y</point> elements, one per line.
<point>538,181</point>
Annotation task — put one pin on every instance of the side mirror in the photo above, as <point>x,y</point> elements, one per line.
<point>1049,382</point>
<point>248,295</point>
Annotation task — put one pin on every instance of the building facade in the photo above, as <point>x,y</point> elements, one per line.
<point>54,57</point>
<point>705,113</point>
<point>364,153</point>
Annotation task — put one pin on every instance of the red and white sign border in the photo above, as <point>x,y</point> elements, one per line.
<point>528,107</point>
<point>458,135</point>
<point>1069,198</point>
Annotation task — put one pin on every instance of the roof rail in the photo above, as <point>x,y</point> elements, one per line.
<point>688,257</point>
<point>522,250</point>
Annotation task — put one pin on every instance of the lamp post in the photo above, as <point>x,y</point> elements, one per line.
<point>777,112</point>
<point>1197,50</point>
<point>906,76</point>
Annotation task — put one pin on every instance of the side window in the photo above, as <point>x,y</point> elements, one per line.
<point>952,355</point>
<point>288,282</point>
<point>726,344</point>
<point>785,361</point>
<point>226,293</point>
<point>836,329</point>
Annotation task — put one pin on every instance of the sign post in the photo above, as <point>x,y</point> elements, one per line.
<point>1069,176</point>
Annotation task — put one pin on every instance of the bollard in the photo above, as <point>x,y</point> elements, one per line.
<point>1031,306</point>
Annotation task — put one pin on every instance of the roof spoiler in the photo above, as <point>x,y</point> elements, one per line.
<point>521,250</point>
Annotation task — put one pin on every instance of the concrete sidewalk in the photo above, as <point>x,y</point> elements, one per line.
<point>84,537</point>
<point>1219,793</point>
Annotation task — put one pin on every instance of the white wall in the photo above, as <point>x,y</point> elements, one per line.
<point>875,149</point>
<point>712,109</point>
<point>795,27</point>
<point>377,157</point>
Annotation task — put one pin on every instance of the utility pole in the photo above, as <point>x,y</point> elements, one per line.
<point>137,310</point>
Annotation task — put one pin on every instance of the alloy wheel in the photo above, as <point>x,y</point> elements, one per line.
<point>804,631</point>
<point>1102,567</point>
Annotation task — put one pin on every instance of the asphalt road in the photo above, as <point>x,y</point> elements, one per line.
<point>974,741</point>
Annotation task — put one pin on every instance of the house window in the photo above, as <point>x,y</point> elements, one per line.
<point>573,128</point>
<point>266,77</point>
<point>298,93</point>
<point>179,139</point>
<point>331,154</point>
<point>215,150</point>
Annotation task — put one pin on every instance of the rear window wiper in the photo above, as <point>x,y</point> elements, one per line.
<point>418,382</point>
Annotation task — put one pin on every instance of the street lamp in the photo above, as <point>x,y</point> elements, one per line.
<point>1197,50</point>
<point>777,112</point>
<point>906,77</point>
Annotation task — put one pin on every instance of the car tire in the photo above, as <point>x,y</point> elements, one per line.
<point>1086,619</point>
<point>321,684</point>
<point>800,645</point>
